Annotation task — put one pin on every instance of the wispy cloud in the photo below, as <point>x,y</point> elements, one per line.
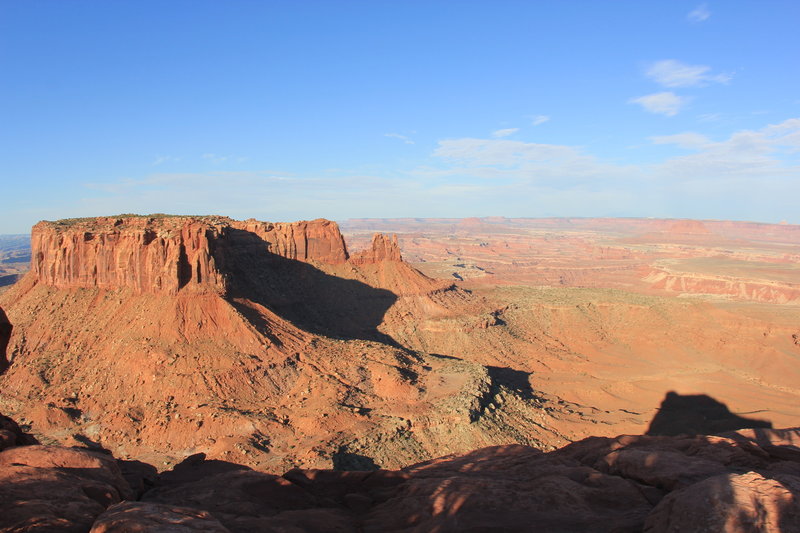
<point>666,103</point>
<point>504,133</point>
<point>403,138</point>
<point>266,195</point>
<point>214,158</point>
<point>709,117</point>
<point>673,73</point>
<point>504,160</point>
<point>161,159</point>
<point>687,140</point>
<point>750,174</point>
<point>217,159</point>
<point>699,14</point>
<point>752,155</point>
<point>540,119</point>
<point>500,152</point>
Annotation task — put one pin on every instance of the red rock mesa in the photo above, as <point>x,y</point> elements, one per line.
<point>241,339</point>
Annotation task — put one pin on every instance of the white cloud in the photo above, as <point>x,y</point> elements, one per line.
<point>500,152</point>
<point>165,159</point>
<point>699,14</point>
<point>785,135</point>
<point>666,103</point>
<point>688,140</point>
<point>501,159</point>
<point>673,73</point>
<point>709,117</point>
<point>748,154</point>
<point>540,119</point>
<point>214,158</point>
<point>217,158</point>
<point>752,155</point>
<point>504,133</point>
<point>398,136</point>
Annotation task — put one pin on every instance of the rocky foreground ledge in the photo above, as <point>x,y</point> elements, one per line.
<point>747,480</point>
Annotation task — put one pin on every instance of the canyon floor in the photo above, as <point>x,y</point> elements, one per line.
<point>15,258</point>
<point>614,314</point>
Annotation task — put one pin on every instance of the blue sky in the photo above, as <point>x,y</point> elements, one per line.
<point>289,110</point>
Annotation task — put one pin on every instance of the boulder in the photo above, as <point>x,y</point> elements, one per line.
<point>49,488</point>
<point>242,500</point>
<point>12,435</point>
<point>85,464</point>
<point>510,488</point>
<point>733,503</point>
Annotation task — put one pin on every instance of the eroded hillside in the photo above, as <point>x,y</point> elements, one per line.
<point>253,341</point>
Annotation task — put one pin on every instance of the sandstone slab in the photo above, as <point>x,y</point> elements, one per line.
<point>731,503</point>
<point>143,517</point>
<point>49,488</point>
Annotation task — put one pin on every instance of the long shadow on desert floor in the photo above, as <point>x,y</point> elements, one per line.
<point>698,414</point>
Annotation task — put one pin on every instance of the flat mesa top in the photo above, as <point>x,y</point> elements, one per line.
<point>116,223</point>
<point>162,222</point>
<point>132,220</point>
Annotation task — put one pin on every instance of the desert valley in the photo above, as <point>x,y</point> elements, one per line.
<point>221,352</point>
<point>399,266</point>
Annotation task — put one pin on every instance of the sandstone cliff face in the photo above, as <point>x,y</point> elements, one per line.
<point>140,253</point>
<point>724,286</point>
<point>318,240</point>
<point>167,254</point>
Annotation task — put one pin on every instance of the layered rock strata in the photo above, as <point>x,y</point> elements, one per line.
<point>689,283</point>
<point>166,254</point>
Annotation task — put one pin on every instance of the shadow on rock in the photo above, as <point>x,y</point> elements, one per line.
<point>344,460</point>
<point>301,293</point>
<point>697,414</point>
<point>52,488</point>
<point>5,336</point>
<point>12,435</point>
<point>514,380</point>
<point>197,467</point>
<point>10,432</point>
